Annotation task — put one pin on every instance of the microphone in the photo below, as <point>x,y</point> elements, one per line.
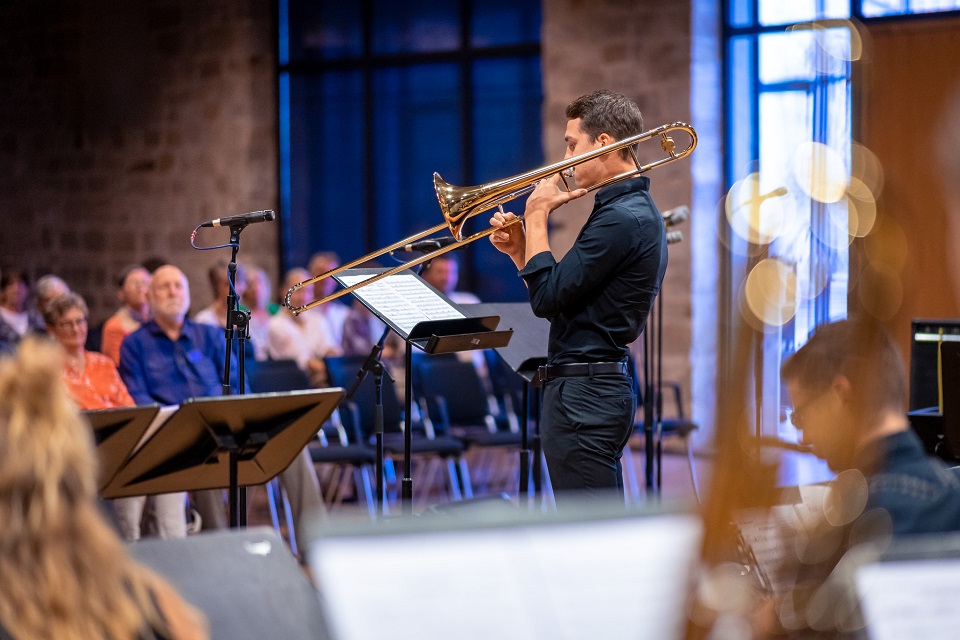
<point>673,237</point>
<point>676,215</point>
<point>242,220</point>
<point>426,246</point>
<point>779,192</point>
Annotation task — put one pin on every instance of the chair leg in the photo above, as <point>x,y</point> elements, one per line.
<point>364,487</point>
<point>455,492</point>
<point>693,469</point>
<point>463,473</point>
<point>272,487</point>
<point>632,488</point>
<point>288,512</point>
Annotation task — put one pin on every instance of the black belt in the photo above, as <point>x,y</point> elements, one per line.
<point>578,369</point>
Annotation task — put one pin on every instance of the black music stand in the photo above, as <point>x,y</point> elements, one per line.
<point>117,433</point>
<point>526,352</point>
<point>425,319</point>
<point>224,442</point>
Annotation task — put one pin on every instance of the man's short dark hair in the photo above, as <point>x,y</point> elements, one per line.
<point>862,352</point>
<point>606,111</point>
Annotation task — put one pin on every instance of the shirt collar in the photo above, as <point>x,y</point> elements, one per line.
<point>611,191</point>
<point>154,329</point>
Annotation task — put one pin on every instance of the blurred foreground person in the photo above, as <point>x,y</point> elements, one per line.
<point>66,575</point>
<point>849,391</point>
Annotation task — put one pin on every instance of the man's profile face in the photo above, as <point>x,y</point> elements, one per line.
<point>824,422</point>
<point>169,294</point>
<point>579,142</point>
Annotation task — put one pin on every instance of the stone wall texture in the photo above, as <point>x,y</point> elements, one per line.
<point>640,48</point>
<point>123,125</point>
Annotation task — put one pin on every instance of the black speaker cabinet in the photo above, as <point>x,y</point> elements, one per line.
<point>246,582</point>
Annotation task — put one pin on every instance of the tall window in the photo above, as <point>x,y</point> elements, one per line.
<point>801,189</point>
<point>376,96</point>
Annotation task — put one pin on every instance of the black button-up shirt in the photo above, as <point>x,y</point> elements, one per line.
<point>598,296</point>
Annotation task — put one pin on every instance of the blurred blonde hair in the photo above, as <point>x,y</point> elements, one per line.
<point>66,575</point>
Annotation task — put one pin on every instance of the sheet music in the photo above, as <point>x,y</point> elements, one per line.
<point>911,599</point>
<point>158,421</point>
<point>771,534</point>
<point>403,298</point>
<point>603,579</point>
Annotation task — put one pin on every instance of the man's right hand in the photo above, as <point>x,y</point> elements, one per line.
<point>509,238</point>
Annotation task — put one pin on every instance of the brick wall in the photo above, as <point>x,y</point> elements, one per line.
<point>123,125</point>
<point>641,49</point>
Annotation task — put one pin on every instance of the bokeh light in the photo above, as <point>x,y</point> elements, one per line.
<point>770,292</point>
<point>862,207</point>
<point>820,172</point>
<point>756,217</point>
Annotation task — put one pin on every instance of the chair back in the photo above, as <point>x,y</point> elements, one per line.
<point>459,386</point>
<point>274,376</point>
<point>342,372</point>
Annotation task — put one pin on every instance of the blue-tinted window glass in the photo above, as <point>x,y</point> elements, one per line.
<point>780,12</point>
<point>787,56</point>
<point>507,133</point>
<point>417,131</point>
<point>500,22</point>
<point>415,26</point>
<point>326,165</point>
<point>874,8</point>
<point>740,153</point>
<point>740,13</point>
<point>324,30</point>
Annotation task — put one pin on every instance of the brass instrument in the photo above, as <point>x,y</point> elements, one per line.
<point>460,203</point>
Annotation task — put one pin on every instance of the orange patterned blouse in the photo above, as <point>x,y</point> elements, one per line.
<point>99,385</point>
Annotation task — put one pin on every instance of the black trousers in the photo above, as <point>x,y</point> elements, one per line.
<point>585,425</point>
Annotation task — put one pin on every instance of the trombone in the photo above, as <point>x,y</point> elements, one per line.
<point>460,203</point>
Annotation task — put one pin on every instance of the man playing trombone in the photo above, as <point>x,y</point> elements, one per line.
<point>596,298</point>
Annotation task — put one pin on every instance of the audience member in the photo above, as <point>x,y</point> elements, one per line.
<point>15,318</point>
<point>443,273</point>
<point>132,283</point>
<point>93,382</point>
<point>171,358</point>
<point>256,298</point>
<point>333,313</point>
<point>66,575</point>
<point>216,313</point>
<point>303,338</point>
<point>46,289</point>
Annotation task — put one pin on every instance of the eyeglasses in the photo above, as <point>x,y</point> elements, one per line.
<point>796,419</point>
<point>79,323</point>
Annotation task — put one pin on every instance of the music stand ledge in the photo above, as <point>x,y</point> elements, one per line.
<point>117,433</point>
<point>192,450</point>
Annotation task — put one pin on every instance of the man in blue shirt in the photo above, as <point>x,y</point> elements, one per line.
<point>597,297</point>
<point>171,358</point>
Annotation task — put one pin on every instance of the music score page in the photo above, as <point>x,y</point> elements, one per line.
<point>403,299</point>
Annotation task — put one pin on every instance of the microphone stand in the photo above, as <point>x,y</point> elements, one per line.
<point>237,327</point>
<point>374,365</point>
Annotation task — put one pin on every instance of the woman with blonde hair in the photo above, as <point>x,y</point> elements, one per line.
<point>66,575</point>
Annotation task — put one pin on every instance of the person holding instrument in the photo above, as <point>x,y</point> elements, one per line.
<point>596,298</point>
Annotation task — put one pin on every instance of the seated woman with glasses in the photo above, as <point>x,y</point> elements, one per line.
<point>92,379</point>
<point>93,382</point>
